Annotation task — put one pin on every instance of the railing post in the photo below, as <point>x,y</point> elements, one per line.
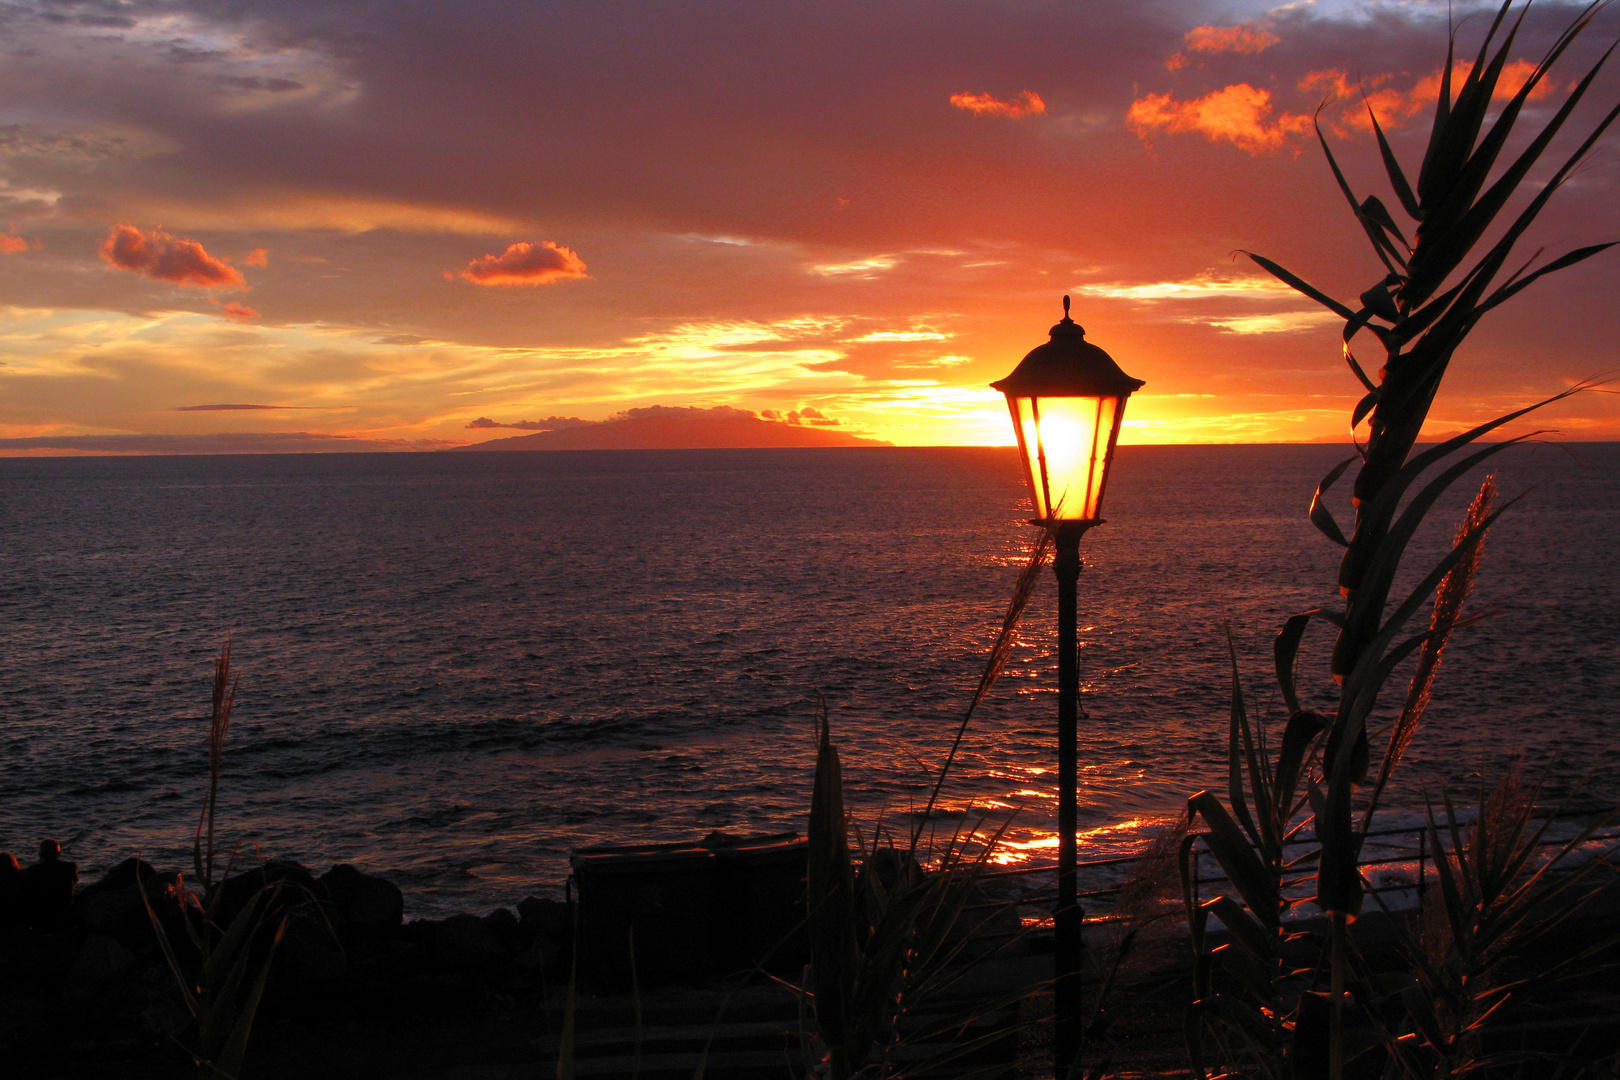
<point>1423,866</point>
<point>1196,876</point>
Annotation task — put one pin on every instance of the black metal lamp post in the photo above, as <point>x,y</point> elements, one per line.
<point>1067,399</point>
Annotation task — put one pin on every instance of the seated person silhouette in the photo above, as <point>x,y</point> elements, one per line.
<point>47,889</point>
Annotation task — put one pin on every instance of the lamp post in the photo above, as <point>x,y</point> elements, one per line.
<point>1067,399</point>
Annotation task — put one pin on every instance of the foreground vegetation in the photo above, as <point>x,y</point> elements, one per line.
<point>1275,1000</point>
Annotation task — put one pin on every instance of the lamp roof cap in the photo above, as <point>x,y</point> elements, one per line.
<point>1067,366</point>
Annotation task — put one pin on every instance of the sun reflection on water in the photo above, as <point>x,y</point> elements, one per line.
<point>1037,846</point>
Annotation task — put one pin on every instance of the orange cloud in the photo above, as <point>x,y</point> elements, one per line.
<point>157,255</point>
<point>12,245</point>
<point>1245,40</point>
<point>1240,114</point>
<point>256,257</point>
<point>1028,103</point>
<point>1395,107</point>
<point>239,312</point>
<point>523,263</point>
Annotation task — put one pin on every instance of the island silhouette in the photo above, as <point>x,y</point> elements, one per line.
<point>663,427</point>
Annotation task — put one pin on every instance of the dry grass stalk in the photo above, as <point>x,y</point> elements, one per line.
<point>1449,598</point>
<point>1028,578</point>
<point>1145,903</point>
<point>219,725</point>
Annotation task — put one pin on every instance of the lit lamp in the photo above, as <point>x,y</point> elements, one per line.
<point>1067,399</point>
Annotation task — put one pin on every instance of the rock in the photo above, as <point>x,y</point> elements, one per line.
<point>98,967</point>
<point>546,920</point>
<point>25,1019</point>
<point>296,887</point>
<point>37,958</point>
<point>114,905</point>
<point>309,956</point>
<point>123,875</point>
<point>365,902</point>
<point>12,909</point>
<point>547,929</point>
<point>471,944</point>
<point>389,960</point>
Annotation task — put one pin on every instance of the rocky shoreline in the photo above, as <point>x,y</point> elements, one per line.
<point>85,988</point>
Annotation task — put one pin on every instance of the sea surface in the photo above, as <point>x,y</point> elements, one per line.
<point>457,667</point>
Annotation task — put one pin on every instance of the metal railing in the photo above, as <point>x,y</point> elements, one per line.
<point>1206,870</point>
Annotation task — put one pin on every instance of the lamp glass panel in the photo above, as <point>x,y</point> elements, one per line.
<point>1065,442</point>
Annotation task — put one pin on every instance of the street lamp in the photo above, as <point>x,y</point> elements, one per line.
<point>1067,399</point>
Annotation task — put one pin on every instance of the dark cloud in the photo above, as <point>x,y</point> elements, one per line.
<point>271,442</point>
<point>28,141</point>
<point>254,82</point>
<point>155,254</point>
<point>550,423</point>
<point>228,408</point>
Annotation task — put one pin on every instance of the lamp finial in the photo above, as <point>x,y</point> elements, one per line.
<point>1065,305</point>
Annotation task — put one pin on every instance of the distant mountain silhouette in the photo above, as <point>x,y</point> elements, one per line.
<point>666,428</point>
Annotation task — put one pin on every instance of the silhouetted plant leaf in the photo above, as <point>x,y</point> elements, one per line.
<point>1301,731</point>
<point>1356,368</point>
<point>1239,962</point>
<point>1284,650</point>
<point>1300,285</point>
<point>1363,407</point>
<point>1241,925</point>
<point>1397,178</point>
<point>1237,857</point>
<point>1240,752</point>
<point>1381,246</point>
<point>1321,516</point>
<point>235,1049</point>
<point>1518,285</point>
<point>1379,301</point>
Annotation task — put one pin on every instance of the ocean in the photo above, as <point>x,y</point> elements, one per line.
<point>457,667</point>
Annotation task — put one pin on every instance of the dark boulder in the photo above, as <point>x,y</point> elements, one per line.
<point>548,921</point>
<point>470,944</point>
<point>99,966</point>
<point>363,902</point>
<point>291,884</point>
<point>310,957</point>
<point>114,905</point>
<point>12,909</point>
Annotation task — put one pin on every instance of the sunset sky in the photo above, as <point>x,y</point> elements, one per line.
<point>369,225</point>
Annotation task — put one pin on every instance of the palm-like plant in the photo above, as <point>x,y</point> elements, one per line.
<point>1435,289</point>
<point>223,988</point>
<point>1504,889</point>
